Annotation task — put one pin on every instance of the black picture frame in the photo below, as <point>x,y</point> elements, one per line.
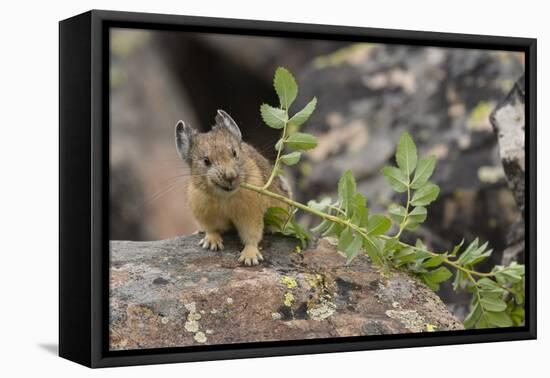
<point>84,192</point>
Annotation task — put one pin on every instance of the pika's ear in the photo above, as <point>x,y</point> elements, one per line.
<point>184,139</point>
<point>224,120</point>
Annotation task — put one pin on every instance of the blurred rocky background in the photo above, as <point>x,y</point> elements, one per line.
<point>367,95</point>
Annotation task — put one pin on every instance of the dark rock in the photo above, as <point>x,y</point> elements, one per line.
<point>160,281</point>
<point>173,293</point>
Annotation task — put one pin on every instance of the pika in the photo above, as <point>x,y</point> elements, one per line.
<point>219,162</point>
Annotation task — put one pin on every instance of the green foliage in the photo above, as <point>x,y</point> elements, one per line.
<point>423,172</point>
<point>273,117</point>
<point>396,178</point>
<point>497,296</point>
<point>285,86</point>
<point>303,115</point>
<point>279,118</point>
<point>301,141</point>
<point>425,195</point>
<point>406,154</point>
<point>284,222</point>
<point>291,158</point>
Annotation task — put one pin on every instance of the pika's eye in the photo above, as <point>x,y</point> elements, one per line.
<point>234,152</point>
<point>207,161</point>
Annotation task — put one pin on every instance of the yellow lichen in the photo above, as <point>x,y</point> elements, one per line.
<point>430,327</point>
<point>315,280</point>
<point>289,282</point>
<point>288,299</point>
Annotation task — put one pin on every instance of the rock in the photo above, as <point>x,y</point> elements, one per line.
<point>173,293</point>
<point>508,120</point>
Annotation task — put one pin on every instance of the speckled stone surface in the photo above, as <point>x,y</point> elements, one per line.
<point>173,293</point>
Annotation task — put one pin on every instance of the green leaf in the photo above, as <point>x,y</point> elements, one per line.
<point>517,315</point>
<point>459,280</point>
<point>353,248</point>
<point>359,211</point>
<point>472,318</point>
<point>423,172</point>
<point>483,322</point>
<point>440,274</point>
<point>334,229</point>
<point>420,256</point>
<point>466,254</point>
<point>489,287</point>
<point>374,247</point>
<point>509,274</point>
<point>346,191</point>
<point>457,248</point>
<point>499,319</point>
<point>404,256</point>
<point>397,214</point>
<point>474,254</point>
<point>416,216</point>
<point>391,244</point>
<point>434,277</point>
<point>345,239</point>
<point>286,224</point>
<point>434,261</point>
<point>291,158</point>
<point>420,244</point>
<point>425,195</point>
<point>303,115</point>
<point>301,141</point>
<point>296,230</point>
<point>492,304</point>
<point>396,178</point>
<point>279,145</point>
<point>519,291</point>
<point>406,154</point>
<point>273,117</point>
<point>285,86</point>
<point>378,225</point>
<point>276,217</point>
<point>322,227</point>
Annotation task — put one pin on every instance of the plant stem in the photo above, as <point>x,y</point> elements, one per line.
<point>358,229</point>
<point>278,158</point>
<point>337,209</point>
<point>445,260</point>
<point>403,224</point>
<point>469,275</point>
<point>306,208</point>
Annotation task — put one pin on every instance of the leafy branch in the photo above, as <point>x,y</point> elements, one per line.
<point>497,296</point>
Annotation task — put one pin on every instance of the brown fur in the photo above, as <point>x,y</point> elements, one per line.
<point>217,210</point>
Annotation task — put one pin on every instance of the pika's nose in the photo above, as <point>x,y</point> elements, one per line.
<point>230,177</point>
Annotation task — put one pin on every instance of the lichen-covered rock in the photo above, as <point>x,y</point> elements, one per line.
<point>508,120</point>
<point>173,293</point>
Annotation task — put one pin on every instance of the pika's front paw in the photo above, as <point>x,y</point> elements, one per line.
<point>212,241</point>
<point>250,255</point>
